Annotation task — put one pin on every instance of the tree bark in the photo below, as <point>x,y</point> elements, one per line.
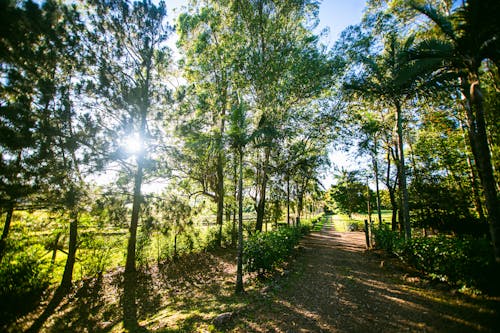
<point>288,199</point>
<point>70,261</point>
<point>6,229</point>
<point>220,193</point>
<point>261,203</point>
<point>239,270</point>
<point>377,188</point>
<point>392,194</point>
<point>405,211</point>
<point>129,292</point>
<point>482,155</point>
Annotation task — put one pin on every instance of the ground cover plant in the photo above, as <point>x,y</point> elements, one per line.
<point>462,261</point>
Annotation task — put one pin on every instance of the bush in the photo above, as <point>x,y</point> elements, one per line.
<point>462,261</point>
<point>23,278</point>
<point>264,251</point>
<point>97,255</point>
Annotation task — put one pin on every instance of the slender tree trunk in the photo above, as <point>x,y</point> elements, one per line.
<point>66,281</point>
<point>6,229</point>
<point>175,246</point>
<point>405,211</point>
<point>234,234</point>
<point>377,189</point>
<point>392,194</point>
<point>220,159</point>
<point>476,191</point>
<point>482,155</point>
<point>288,199</point>
<point>129,292</point>
<point>261,203</point>
<point>70,261</point>
<point>239,270</point>
<point>220,195</point>
<point>54,251</point>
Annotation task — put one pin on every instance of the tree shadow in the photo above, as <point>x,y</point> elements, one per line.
<point>343,288</point>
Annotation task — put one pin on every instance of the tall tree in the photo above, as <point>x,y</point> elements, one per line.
<point>468,36</point>
<point>394,79</point>
<point>284,68</point>
<point>238,134</point>
<point>207,40</point>
<point>131,59</point>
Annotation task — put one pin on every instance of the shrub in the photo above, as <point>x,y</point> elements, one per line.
<point>23,278</point>
<point>263,252</point>
<point>462,261</point>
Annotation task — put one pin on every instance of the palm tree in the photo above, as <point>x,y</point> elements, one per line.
<point>467,37</point>
<point>392,78</point>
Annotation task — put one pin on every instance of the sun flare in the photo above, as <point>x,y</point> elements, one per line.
<point>133,144</point>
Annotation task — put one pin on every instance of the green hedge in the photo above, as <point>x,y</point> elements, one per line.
<point>464,261</point>
<point>264,251</point>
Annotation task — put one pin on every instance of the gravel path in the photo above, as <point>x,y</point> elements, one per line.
<point>334,285</point>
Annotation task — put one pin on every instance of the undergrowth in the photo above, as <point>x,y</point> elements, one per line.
<point>464,261</point>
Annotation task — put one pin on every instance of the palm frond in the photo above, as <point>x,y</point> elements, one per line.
<point>442,21</point>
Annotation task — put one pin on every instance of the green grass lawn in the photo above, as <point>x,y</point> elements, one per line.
<point>342,222</point>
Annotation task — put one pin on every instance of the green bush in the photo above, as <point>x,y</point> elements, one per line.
<point>264,251</point>
<point>462,261</point>
<point>97,254</point>
<point>23,278</point>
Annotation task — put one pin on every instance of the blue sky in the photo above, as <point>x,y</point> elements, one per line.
<point>338,14</point>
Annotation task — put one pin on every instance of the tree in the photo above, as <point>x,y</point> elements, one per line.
<point>209,46</point>
<point>130,60</point>
<point>348,194</point>
<point>239,138</point>
<point>394,78</point>
<point>468,36</point>
<point>284,67</point>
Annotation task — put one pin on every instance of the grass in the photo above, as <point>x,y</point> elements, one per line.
<point>342,222</point>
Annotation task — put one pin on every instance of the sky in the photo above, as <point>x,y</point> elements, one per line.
<point>335,15</point>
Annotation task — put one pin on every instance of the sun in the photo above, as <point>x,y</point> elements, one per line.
<point>133,144</point>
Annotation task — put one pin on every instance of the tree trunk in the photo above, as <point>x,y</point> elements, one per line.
<point>392,194</point>
<point>478,205</point>
<point>129,303</point>
<point>234,233</point>
<point>66,280</point>
<point>405,211</point>
<point>288,199</point>
<point>482,155</point>
<point>70,261</point>
<point>220,196</point>
<point>6,228</point>
<point>54,250</point>
<point>239,270</point>
<point>261,203</point>
<point>377,189</point>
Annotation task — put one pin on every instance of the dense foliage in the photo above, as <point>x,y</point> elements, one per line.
<point>264,251</point>
<point>463,261</point>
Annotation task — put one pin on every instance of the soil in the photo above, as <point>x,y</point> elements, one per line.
<point>335,285</point>
<point>332,284</point>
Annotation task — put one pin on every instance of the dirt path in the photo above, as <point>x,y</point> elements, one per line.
<point>337,286</point>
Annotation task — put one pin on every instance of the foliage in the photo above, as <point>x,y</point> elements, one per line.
<point>348,195</point>
<point>444,208</point>
<point>464,261</point>
<point>97,255</point>
<point>264,251</point>
<point>24,275</point>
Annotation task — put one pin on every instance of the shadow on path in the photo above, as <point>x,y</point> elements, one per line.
<point>338,286</point>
